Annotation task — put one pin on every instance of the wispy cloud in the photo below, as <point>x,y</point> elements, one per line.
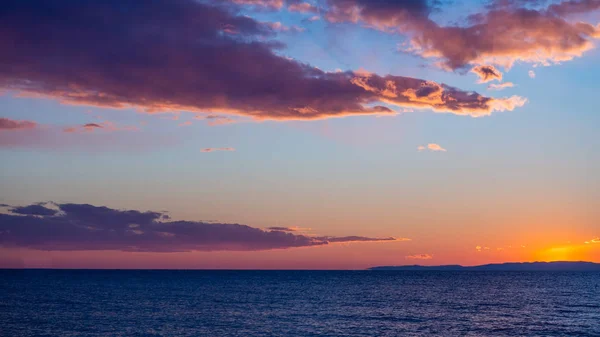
<point>288,229</point>
<point>303,7</point>
<point>280,27</point>
<point>500,86</point>
<point>531,74</point>
<point>104,126</point>
<point>419,257</point>
<point>214,149</point>
<point>214,120</point>
<point>592,241</point>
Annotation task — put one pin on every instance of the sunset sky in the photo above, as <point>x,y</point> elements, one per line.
<point>313,134</point>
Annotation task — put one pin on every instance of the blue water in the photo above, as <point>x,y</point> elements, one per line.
<point>298,303</point>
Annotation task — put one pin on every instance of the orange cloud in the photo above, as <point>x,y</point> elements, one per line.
<point>594,240</point>
<point>431,147</point>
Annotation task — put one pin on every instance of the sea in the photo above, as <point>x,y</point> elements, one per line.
<point>298,303</point>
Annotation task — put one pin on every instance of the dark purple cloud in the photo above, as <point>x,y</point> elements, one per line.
<point>487,73</point>
<point>88,227</point>
<point>380,13</point>
<point>198,56</point>
<point>92,125</point>
<point>282,229</point>
<point>35,209</point>
<point>357,239</point>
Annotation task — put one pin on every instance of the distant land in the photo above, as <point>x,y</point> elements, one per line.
<point>510,266</point>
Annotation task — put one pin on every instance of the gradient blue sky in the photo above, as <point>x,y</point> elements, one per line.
<point>526,177</point>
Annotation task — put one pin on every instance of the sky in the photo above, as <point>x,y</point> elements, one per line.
<point>298,134</point>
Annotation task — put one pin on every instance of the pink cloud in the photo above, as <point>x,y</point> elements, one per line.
<point>273,4</point>
<point>14,125</point>
<point>501,36</point>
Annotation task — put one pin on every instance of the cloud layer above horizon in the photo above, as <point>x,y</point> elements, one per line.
<point>56,227</point>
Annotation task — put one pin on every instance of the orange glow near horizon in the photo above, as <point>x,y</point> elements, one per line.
<point>335,256</point>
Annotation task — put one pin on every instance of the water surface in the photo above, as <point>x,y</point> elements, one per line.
<point>298,303</point>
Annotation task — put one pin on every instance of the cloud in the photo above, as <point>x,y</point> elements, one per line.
<point>302,7</point>
<point>531,74</point>
<point>346,239</point>
<point>288,229</point>
<point>214,149</point>
<point>594,240</point>
<point>280,27</point>
<point>419,257</point>
<point>91,127</point>
<point>214,120</point>
<point>431,147</point>
<point>35,209</point>
<point>271,4</point>
<point>88,227</point>
<point>282,229</point>
<point>499,36</point>
<point>382,14</point>
<point>487,73</point>
<point>13,125</point>
<point>501,86</point>
<point>435,147</point>
<point>194,56</point>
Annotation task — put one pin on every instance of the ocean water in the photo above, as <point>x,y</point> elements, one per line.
<point>298,303</point>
